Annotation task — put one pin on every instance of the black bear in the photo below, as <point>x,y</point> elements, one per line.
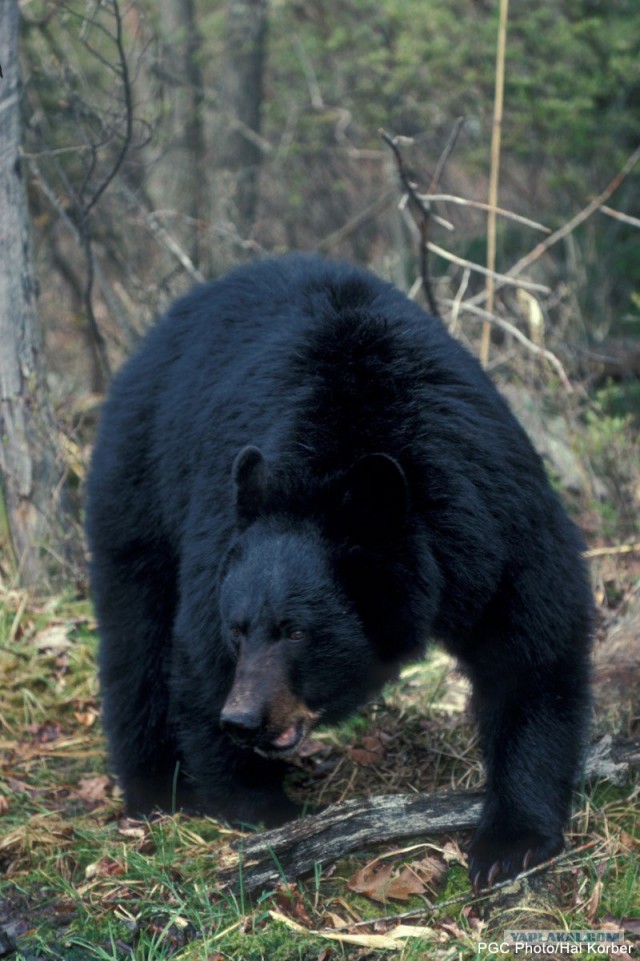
<point>299,479</point>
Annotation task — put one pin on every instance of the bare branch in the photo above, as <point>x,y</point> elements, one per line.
<point>504,278</point>
<point>128,112</point>
<point>315,94</point>
<point>478,205</point>
<point>72,227</point>
<point>446,153</point>
<point>515,332</point>
<point>617,215</point>
<point>570,225</point>
<point>357,221</point>
<point>422,213</point>
<point>455,308</point>
<point>610,551</point>
<point>163,236</point>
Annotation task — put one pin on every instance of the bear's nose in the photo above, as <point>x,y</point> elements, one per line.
<point>241,723</point>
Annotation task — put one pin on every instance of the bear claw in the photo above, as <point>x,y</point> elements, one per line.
<point>492,859</point>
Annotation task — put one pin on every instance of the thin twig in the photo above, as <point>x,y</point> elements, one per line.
<point>569,226</point>
<point>518,335</point>
<point>356,221</point>
<point>72,227</point>
<point>315,94</point>
<point>617,215</point>
<point>128,106</point>
<point>619,549</point>
<point>446,153</point>
<point>163,236</point>
<point>457,300</point>
<point>85,212</point>
<point>461,262</point>
<point>421,212</point>
<point>500,211</point>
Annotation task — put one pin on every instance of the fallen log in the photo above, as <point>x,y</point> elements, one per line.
<point>261,861</point>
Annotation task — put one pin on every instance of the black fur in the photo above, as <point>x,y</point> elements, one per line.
<point>388,497</point>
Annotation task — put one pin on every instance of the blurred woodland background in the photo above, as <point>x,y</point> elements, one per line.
<point>483,156</point>
<point>163,141</point>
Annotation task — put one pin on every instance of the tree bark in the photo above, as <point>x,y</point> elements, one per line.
<point>32,475</point>
<point>241,103</point>
<point>182,172</point>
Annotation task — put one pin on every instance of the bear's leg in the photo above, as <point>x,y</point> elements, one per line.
<point>532,718</point>
<point>227,780</point>
<point>253,790</point>
<point>135,603</point>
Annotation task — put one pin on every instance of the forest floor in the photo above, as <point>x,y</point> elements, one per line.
<point>82,882</point>
<point>79,881</point>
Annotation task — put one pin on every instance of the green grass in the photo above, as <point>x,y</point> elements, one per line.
<point>80,882</point>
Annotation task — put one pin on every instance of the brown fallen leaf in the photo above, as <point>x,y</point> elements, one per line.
<point>452,851</point>
<point>104,868</point>
<point>86,718</point>
<point>372,880</point>
<point>378,881</point>
<point>369,751</point>
<point>129,828</point>
<point>430,869</point>
<point>405,885</point>
<point>94,789</point>
<point>46,732</point>
<point>362,757</point>
<point>291,903</point>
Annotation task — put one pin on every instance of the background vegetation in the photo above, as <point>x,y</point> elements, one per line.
<point>165,141</point>
<point>332,76</point>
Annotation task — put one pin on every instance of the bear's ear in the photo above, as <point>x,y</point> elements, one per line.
<point>250,476</point>
<point>376,499</point>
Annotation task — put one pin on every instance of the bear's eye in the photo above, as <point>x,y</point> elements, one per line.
<point>296,635</point>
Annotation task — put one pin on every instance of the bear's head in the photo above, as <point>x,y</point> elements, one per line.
<point>302,653</point>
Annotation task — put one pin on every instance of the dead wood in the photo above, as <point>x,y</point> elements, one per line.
<point>260,861</point>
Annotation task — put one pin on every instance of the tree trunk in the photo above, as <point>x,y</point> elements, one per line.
<point>33,490</point>
<point>182,171</point>
<point>241,104</point>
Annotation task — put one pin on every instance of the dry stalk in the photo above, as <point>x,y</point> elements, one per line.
<point>496,134</point>
<point>609,551</point>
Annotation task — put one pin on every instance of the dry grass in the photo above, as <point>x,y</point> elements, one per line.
<point>81,882</point>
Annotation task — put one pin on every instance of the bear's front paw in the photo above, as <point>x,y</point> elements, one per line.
<point>271,809</point>
<point>494,857</point>
<point>278,811</point>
